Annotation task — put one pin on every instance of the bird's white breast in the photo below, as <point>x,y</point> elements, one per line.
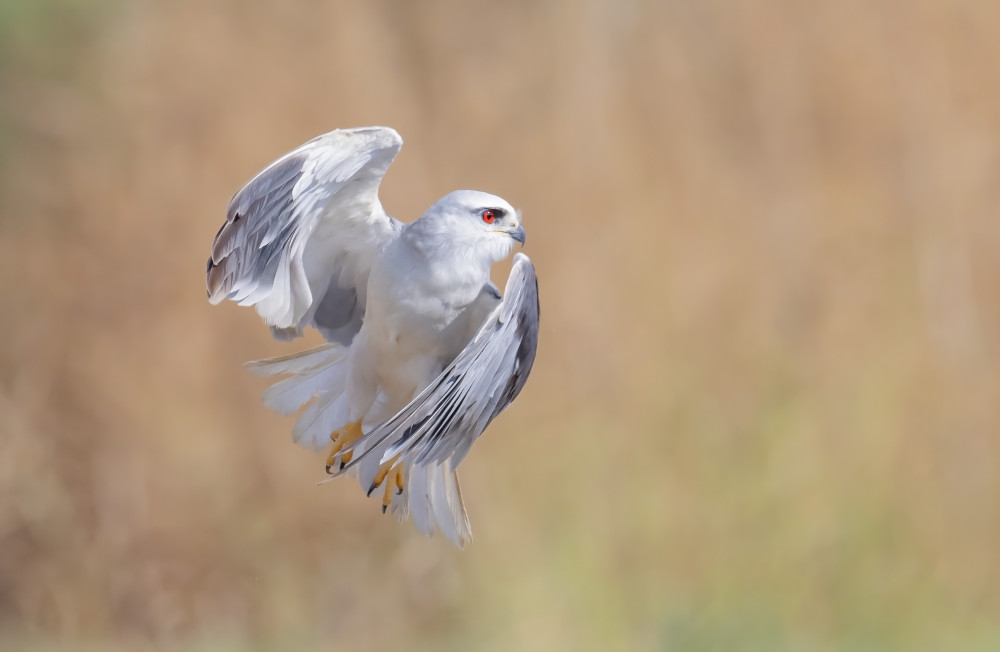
<point>421,313</point>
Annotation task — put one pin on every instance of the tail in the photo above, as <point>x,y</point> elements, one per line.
<point>435,496</point>
<point>432,495</point>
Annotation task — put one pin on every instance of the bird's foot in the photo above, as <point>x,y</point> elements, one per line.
<point>392,475</point>
<point>342,438</point>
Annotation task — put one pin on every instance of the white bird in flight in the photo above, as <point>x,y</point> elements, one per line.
<point>423,351</point>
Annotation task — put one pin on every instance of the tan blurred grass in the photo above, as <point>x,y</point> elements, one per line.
<point>765,409</point>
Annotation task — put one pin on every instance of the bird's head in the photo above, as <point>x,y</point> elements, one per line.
<point>477,223</point>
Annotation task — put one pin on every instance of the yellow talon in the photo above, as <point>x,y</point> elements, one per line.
<point>395,485</point>
<point>342,438</point>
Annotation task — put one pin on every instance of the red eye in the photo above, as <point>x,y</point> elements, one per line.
<point>489,216</point>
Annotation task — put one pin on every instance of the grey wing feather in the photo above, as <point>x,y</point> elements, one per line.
<point>300,237</point>
<point>444,420</point>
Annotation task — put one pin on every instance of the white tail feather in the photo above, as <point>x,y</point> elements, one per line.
<point>439,503</point>
<point>298,362</point>
<point>444,498</point>
<point>460,517</point>
<point>417,488</point>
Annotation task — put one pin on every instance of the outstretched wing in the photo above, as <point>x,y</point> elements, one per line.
<point>443,421</point>
<point>299,238</point>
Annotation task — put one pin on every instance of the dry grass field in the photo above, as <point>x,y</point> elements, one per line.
<point>765,413</point>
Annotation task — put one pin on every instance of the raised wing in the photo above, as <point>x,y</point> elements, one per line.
<point>443,421</point>
<point>300,237</point>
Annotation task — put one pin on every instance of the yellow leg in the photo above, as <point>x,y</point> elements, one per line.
<point>342,438</point>
<point>395,484</point>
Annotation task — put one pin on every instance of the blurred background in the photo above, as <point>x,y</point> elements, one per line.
<point>765,413</point>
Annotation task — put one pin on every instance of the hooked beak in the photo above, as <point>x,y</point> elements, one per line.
<point>518,234</point>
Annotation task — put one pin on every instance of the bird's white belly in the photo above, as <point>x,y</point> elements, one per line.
<point>415,328</point>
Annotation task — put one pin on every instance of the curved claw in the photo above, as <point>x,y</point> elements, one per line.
<point>394,485</point>
<point>342,438</point>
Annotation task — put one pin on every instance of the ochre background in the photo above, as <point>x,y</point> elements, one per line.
<point>765,413</point>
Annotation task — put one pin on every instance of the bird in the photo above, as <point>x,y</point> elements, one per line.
<point>422,350</point>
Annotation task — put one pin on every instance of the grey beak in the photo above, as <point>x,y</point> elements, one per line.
<point>518,234</point>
